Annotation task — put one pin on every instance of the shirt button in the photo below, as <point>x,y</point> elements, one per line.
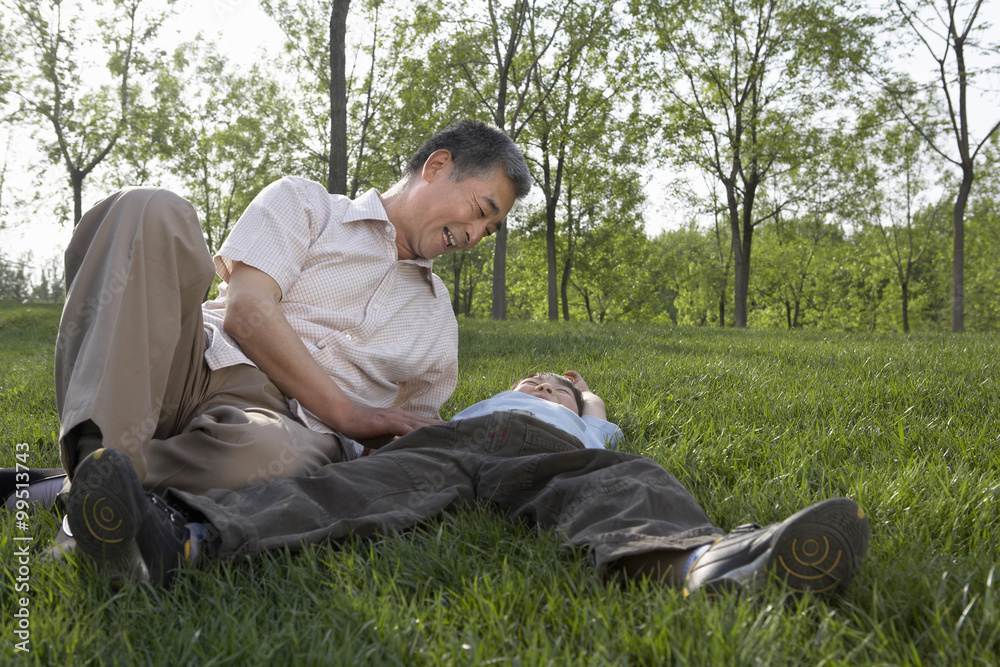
<point>348,336</point>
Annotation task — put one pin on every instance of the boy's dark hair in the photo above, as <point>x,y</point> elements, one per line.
<point>555,377</point>
<point>477,149</point>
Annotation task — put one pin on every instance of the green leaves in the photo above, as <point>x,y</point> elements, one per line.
<point>84,108</point>
<point>745,86</point>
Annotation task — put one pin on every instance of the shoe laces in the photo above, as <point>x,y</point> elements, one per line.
<point>745,528</point>
<point>172,514</point>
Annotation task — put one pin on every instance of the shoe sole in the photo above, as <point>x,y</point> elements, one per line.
<point>104,517</point>
<point>817,550</point>
<point>821,547</point>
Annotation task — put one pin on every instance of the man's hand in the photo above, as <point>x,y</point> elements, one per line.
<point>362,422</point>
<point>255,320</point>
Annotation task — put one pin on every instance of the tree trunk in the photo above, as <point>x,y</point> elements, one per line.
<point>76,178</point>
<point>456,300</point>
<point>337,174</point>
<point>564,288</point>
<point>498,310</point>
<point>469,294</point>
<point>905,287</point>
<point>742,244</point>
<point>550,256</point>
<point>741,266</point>
<point>958,256</point>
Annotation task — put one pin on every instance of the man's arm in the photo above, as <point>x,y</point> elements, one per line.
<point>593,404</point>
<point>254,319</point>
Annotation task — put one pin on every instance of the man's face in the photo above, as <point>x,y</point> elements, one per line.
<point>451,215</point>
<point>554,392</point>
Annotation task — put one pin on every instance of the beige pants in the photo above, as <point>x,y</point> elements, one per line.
<point>130,358</point>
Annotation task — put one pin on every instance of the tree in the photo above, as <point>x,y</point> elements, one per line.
<point>380,85</point>
<point>316,36</point>
<point>357,108</point>
<point>15,283</point>
<point>788,250</point>
<point>500,63</point>
<point>577,120</point>
<point>683,267</point>
<point>708,254</point>
<point>337,182</point>
<point>946,32</point>
<point>905,236</point>
<point>983,221</point>
<point>229,134</point>
<point>743,81</point>
<point>87,121</point>
<point>7,51</point>
<point>466,271</point>
<point>606,244</point>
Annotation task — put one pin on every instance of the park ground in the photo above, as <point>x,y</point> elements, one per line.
<point>757,423</point>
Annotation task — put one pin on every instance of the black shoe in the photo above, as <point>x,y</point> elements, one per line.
<point>62,547</point>
<point>130,534</point>
<point>817,549</point>
<point>43,485</point>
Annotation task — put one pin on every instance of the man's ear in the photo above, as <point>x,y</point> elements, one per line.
<point>436,162</point>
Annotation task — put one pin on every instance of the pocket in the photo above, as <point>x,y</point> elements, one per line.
<point>540,438</point>
<point>435,436</point>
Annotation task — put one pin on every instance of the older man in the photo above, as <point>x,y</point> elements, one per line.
<point>329,327</point>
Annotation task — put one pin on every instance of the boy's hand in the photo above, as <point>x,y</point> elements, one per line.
<point>593,405</point>
<point>578,380</point>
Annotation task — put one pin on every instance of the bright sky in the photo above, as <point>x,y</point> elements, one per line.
<point>241,31</point>
<point>244,34</point>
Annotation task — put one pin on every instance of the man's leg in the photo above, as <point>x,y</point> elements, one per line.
<point>129,355</point>
<point>241,434</point>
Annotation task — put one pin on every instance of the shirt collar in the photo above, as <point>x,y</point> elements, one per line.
<point>368,208</point>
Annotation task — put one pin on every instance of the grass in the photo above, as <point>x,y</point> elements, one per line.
<point>756,423</point>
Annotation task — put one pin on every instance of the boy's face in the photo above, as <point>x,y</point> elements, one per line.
<point>554,391</point>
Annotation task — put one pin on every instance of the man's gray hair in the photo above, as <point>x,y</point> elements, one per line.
<point>477,149</point>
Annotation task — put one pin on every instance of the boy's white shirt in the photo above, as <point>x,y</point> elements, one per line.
<point>593,432</point>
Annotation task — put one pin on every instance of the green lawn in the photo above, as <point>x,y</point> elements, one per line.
<point>757,423</point>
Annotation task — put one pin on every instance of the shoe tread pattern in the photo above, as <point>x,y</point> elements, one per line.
<point>104,515</point>
<point>822,549</point>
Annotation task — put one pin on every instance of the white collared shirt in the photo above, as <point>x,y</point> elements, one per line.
<point>382,328</point>
<point>593,432</point>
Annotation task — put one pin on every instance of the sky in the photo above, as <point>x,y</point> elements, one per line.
<point>242,32</point>
<point>245,34</point>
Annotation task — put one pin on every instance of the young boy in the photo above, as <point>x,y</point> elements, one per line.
<point>569,405</point>
<point>629,513</point>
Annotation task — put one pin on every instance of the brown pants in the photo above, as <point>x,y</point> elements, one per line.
<point>130,358</point>
<point>612,503</point>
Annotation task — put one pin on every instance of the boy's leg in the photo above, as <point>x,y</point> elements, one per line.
<point>421,476</point>
<point>637,518</point>
<point>129,355</point>
<point>613,503</point>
